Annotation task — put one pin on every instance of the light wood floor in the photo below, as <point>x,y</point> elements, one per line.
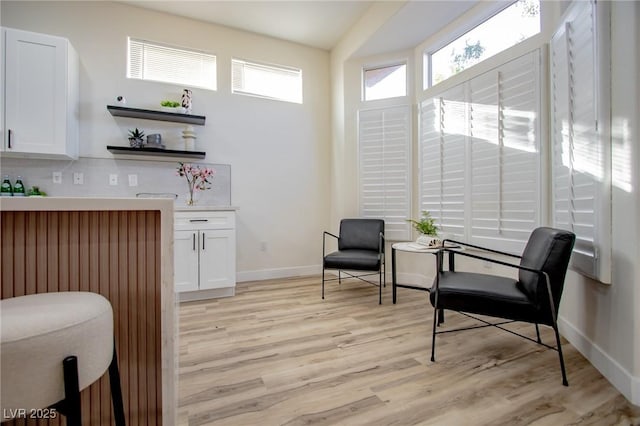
<point>277,354</point>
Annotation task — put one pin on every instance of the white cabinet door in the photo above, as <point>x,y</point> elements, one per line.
<point>217,258</point>
<point>40,95</point>
<point>205,254</point>
<point>185,260</point>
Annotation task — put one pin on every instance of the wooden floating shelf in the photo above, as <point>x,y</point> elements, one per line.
<point>155,151</point>
<point>149,114</point>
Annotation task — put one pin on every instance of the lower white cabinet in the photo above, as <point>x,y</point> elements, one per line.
<point>205,254</point>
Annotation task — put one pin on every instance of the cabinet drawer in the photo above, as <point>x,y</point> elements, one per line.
<point>204,220</point>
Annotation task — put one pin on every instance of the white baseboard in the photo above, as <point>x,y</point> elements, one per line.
<point>273,273</point>
<point>189,296</point>
<point>620,378</point>
<point>300,271</point>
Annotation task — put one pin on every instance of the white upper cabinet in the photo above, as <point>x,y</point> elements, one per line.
<point>40,96</point>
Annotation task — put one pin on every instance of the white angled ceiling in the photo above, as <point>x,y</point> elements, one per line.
<point>314,23</point>
<point>320,23</point>
<point>414,23</point>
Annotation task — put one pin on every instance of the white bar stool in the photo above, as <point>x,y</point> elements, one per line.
<point>52,346</point>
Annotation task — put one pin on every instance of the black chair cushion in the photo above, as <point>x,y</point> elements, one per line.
<point>484,295</point>
<point>363,234</point>
<point>548,250</point>
<point>357,260</point>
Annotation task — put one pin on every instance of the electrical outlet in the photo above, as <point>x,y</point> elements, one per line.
<point>113,180</point>
<point>57,177</point>
<point>133,180</point>
<point>78,178</point>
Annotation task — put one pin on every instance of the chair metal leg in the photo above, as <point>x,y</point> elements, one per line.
<point>384,274</point>
<point>538,333</point>
<point>339,277</point>
<point>438,314</point>
<point>380,282</point>
<point>433,336</point>
<point>564,372</point>
<point>72,391</point>
<point>322,283</point>
<point>554,324</point>
<point>116,390</point>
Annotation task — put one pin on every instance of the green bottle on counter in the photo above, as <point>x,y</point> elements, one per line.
<point>6,190</point>
<point>18,188</point>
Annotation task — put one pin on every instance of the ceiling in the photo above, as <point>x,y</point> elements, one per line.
<point>414,23</point>
<point>320,23</point>
<point>313,23</point>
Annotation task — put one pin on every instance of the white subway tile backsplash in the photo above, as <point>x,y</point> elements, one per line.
<point>152,177</point>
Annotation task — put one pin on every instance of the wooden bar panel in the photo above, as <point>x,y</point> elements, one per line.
<point>113,253</point>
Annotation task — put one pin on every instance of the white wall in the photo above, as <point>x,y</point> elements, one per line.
<point>278,152</point>
<point>603,321</point>
<point>344,201</point>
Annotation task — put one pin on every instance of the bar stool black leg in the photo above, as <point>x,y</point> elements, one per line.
<point>393,274</point>
<point>72,391</point>
<point>116,390</point>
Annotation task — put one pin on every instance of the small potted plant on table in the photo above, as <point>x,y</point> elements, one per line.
<point>428,230</point>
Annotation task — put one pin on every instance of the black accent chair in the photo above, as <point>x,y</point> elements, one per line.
<point>534,297</point>
<point>360,248</point>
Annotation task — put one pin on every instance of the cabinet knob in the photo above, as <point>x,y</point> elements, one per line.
<point>194,241</point>
<point>10,133</point>
<point>198,220</point>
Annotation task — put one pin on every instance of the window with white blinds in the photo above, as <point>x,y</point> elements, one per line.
<point>581,152</point>
<point>266,81</point>
<point>480,156</point>
<point>168,64</point>
<point>384,159</point>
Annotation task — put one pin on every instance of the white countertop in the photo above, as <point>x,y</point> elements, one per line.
<point>197,208</point>
<point>84,203</point>
<point>101,203</point>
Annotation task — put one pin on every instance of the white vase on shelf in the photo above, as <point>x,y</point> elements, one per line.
<point>189,144</point>
<point>187,96</point>
<point>189,138</point>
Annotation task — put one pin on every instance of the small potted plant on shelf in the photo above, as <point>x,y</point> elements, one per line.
<point>136,138</point>
<point>428,230</point>
<point>36,192</point>
<point>171,106</point>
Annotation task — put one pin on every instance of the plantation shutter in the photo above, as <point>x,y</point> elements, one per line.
<point>480,172</point>
<point>443,130</point>
<point>505,154</point>
<point>384,152</point>
<point>581,181</point>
